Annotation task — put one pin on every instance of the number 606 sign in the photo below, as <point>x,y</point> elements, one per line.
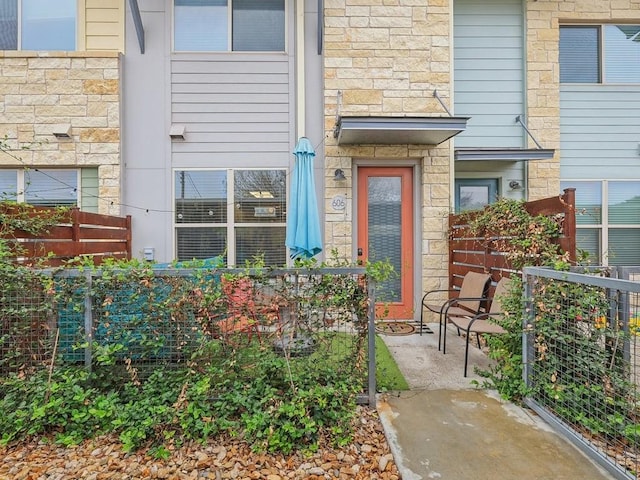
<point>338,202</point>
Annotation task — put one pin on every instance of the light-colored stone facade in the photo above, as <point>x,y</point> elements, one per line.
<point>41,91</point>
<point>387,58</point>
<point>543,18</point>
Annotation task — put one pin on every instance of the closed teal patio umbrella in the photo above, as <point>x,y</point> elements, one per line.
<point>303,222</point>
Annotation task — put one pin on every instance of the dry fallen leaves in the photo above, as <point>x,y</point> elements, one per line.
<point>367,457</point>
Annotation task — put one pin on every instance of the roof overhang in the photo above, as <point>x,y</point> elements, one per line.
<point>397,130</point>
<point>504,154</point>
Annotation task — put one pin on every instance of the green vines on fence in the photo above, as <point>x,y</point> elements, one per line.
<point>507,227</point>
<point>579,360</point>
<point>177,357</point>
<point>578,347</point>
<point>24,301</point>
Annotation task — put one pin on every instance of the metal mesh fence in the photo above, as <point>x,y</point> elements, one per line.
<point>131,322</point>
<point>582,361</point>
<point>27,321</point>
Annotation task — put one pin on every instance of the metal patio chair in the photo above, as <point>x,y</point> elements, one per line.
<point>483,323</point>
<point>471,297</point>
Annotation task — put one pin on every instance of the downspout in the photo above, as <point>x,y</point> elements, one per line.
<point>300,66</point>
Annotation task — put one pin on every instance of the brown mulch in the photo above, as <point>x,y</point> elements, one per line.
<point>367,457</point>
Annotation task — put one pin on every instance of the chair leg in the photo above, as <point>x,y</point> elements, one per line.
<point>440,332</point>
<point>421,316</point>
<point>444,335</point>
<point>478,339</point>
<point>466,353</point>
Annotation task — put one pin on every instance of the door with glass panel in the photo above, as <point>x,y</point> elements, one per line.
<point>385,232</point>
<point>475,193</point>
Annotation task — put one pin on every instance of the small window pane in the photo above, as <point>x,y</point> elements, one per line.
<point>588,240</point>
<point>623,246</point>
<point>51,188</point>
<point>48,25</point>
<point>8,185</point>
<point>201,25</point>
<point>258,242</point>
<point>201,242</point>
<point>258,25</point>
<point>260,196</point>
<point>624,203</point>
<point>473,197</point>
<point>8,24</point>
<point>579,55</point>
<point>622,53</point>
<point>588,201</point>
<point>201,196</point>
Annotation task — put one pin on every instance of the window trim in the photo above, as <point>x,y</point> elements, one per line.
<point>602,73</point>
<point>492,183</point>
<point>229,36</point>
<point>21,187</point>
<point>604,226</point>
<point>230,225</point>
<point>79,7</point>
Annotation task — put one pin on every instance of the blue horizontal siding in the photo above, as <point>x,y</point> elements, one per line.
<point>488,72</point>
<point>599,131</point>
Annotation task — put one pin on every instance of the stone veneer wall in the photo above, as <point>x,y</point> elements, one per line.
<point>387,58</point>
<point>543,75</point>
<point>41,90</point>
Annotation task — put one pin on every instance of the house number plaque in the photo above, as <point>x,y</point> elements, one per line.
<point>338,202</point>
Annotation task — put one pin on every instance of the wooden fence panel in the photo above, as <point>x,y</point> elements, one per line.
<point>468,252</point>
<point>77,234</point>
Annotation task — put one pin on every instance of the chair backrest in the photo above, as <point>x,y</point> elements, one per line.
<point>502,288</point>
<point>474,285</point>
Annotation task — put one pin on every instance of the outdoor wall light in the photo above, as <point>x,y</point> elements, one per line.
<point>62,131</point>
<point>515,185</point>
<point>338,175</point>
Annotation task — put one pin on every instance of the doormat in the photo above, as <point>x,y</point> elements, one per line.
<point>395,328</point>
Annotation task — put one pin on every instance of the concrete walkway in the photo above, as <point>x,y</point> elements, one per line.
<point>445,428</point>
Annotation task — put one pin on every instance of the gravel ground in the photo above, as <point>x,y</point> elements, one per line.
<point>367,457</point>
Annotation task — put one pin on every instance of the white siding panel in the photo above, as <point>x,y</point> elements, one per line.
<point>489,72</point>
<point>232,103</point>
<point>599,131</point>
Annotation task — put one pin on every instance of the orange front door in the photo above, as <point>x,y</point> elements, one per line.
<point>385,232</point>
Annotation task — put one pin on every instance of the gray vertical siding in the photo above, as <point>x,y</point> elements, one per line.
<point>238,110</point>
<point>489,72</point>
<point>599,131</point>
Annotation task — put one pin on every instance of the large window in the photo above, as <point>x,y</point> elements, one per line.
<point>229,25</point>
<point>38,25</point>
<point>600,54</point>
<point>608,220</point>
<point>48,187</point>
<point>237,213</point>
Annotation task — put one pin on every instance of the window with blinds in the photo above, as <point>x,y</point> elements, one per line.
<point>224,25</point>
<point>608,220</point>
<point>38,25</point>
<point>239,214</point>
<point>51,188</point>
<point>43,187</point>
<point>600,54</point>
